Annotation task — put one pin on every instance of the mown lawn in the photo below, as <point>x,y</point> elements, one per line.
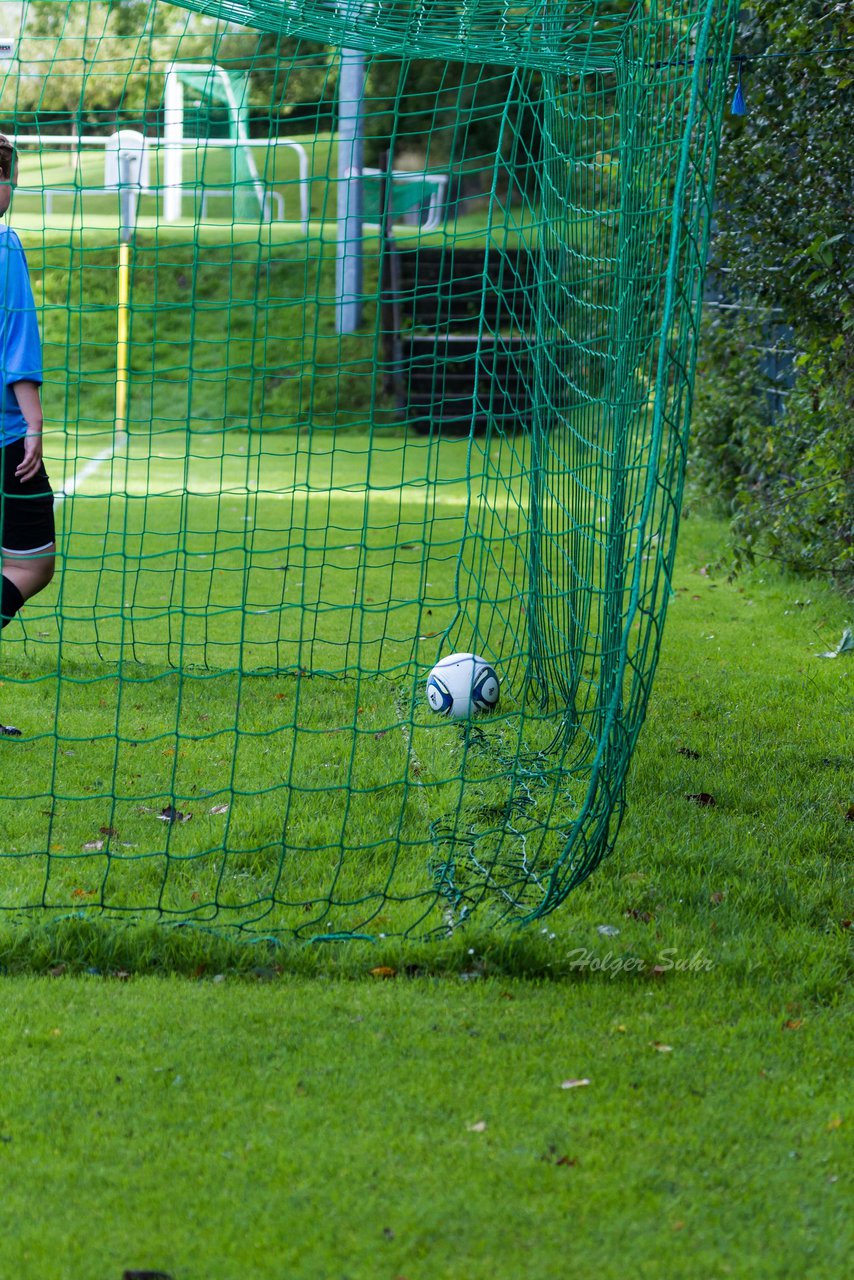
<point>287,1111</point>
<point>177,1099</point>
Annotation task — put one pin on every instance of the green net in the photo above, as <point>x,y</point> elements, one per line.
<point>389,356</point>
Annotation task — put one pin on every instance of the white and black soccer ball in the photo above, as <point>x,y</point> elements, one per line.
<point>462,685</point>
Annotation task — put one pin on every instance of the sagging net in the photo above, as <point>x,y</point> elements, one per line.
<point>369,333</point>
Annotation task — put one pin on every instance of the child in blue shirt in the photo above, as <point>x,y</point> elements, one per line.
<point>27,535</point>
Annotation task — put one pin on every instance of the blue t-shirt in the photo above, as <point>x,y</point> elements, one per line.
<point>20,347</point>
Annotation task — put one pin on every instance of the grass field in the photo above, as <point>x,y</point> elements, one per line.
<point>345,554</point>
<point>344,563</point>
<point>328,802</point>
<point>180,1099</point>
<point>286,1112</point>
<point>79,202</point>
<point>57,170</point>
<point>322,803</point>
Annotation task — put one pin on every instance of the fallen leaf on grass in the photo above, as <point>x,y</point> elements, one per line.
<point>846,645</point>
<point>169,814</point>
<point>94,846</point>
<point>108,831</point>
<point>703,798</point>
<point>793,1024</point>
<point>573,1084</point>
<point>478,1127</point>
<point>717,898</point>
<point>688,752</point>
<point>383,971</point>
<point>632,913</point>
<point>662,1048</point>
<point>79,894</point>
<point>549,1156</point>
<point>219,808</point>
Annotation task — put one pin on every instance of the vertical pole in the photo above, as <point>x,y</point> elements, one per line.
<point>351,148</point>
<point>122,339</point>
<point>173,139</point>
<point>130,171</point>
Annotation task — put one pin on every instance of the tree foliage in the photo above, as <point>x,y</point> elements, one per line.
<point>100,64</point>
<point>786,250</point>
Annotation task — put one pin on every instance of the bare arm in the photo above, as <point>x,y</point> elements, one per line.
<point>29,398</point>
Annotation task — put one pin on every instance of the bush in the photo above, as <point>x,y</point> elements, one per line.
<point>731,426</point>
<point>799,504</point>
<point>784,244</point>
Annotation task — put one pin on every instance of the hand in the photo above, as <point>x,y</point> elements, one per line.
<point>32,460</point>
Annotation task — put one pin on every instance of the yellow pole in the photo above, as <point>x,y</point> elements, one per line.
<point>122,338</point>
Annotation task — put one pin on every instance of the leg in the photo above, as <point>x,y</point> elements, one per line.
<point>23,577</point>
<point>30,573</point>
<point>28,546</point>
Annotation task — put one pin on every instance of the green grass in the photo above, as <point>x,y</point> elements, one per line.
<point>280,1110</point>
<point>278,362</point>
<point>739,685</point>
<point>328,1129</point>
<point>340,791</point>
<point>90,215</point>
<point>299,1116</point>
<point>354,555</point>
<point>278,168</point>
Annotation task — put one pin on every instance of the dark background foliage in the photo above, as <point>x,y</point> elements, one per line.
<point>783,264</point>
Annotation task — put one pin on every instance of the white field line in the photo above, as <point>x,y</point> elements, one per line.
<point>403,496</point>
<point>94,464</point>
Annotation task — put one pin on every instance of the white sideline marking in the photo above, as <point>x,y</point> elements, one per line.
<point>71,486</point>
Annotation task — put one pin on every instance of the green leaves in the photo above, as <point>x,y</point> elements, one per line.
<point>777,444</point>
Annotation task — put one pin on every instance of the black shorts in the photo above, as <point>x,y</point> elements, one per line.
<point>26,509</point>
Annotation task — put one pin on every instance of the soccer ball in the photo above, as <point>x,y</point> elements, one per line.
<point>461,685</point>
